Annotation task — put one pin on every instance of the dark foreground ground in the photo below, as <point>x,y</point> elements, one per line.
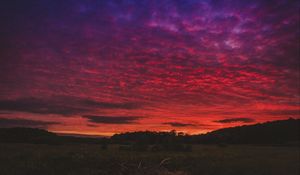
<point>29,159</point>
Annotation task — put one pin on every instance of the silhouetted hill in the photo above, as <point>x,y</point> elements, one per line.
<point>40,136</point>
<point>274,132</point>
<point>27,135</point>
<point>148,137</point>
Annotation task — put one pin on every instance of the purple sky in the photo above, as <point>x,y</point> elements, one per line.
<point>102,67</point>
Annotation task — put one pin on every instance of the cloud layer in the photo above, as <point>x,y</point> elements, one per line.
<point>233,120</point>
<point>112,119</point>
<point>196,61</point>
<point>178,124</point>
<point>62,105</point>
<point>5,122</point>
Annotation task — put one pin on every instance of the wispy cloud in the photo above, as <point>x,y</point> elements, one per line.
<point>112,119</point>
<point>234,120</point>
<point>16,122</point>
<point>178,124</point>
<point>63,105</point>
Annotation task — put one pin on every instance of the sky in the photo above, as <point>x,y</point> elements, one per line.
<point>110,66</point>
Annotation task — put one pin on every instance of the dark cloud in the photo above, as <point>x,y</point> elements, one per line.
<point>233,120</point>
<point>2,113</point>
<point>92,125</point>
<point>178,124</point>
<point>112,119</point>
<point>5,122</point>
<point>126,105</point>
<point>60,105</point>
<point>40,106</point>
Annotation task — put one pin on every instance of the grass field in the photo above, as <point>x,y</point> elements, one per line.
<point>27,159</point>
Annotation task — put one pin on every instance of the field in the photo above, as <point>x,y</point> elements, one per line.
<point>29,159</point>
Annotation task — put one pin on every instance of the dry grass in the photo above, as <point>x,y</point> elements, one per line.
<point>26,159</point>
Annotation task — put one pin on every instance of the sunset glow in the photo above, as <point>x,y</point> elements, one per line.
<point>104,67</point>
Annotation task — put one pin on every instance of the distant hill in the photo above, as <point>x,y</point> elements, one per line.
<point>147,137</point>
<point>274,132</point>
<point>27,135</point>
<point>81,135</point>
<point>40,136</point>
<point>285,132</point>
